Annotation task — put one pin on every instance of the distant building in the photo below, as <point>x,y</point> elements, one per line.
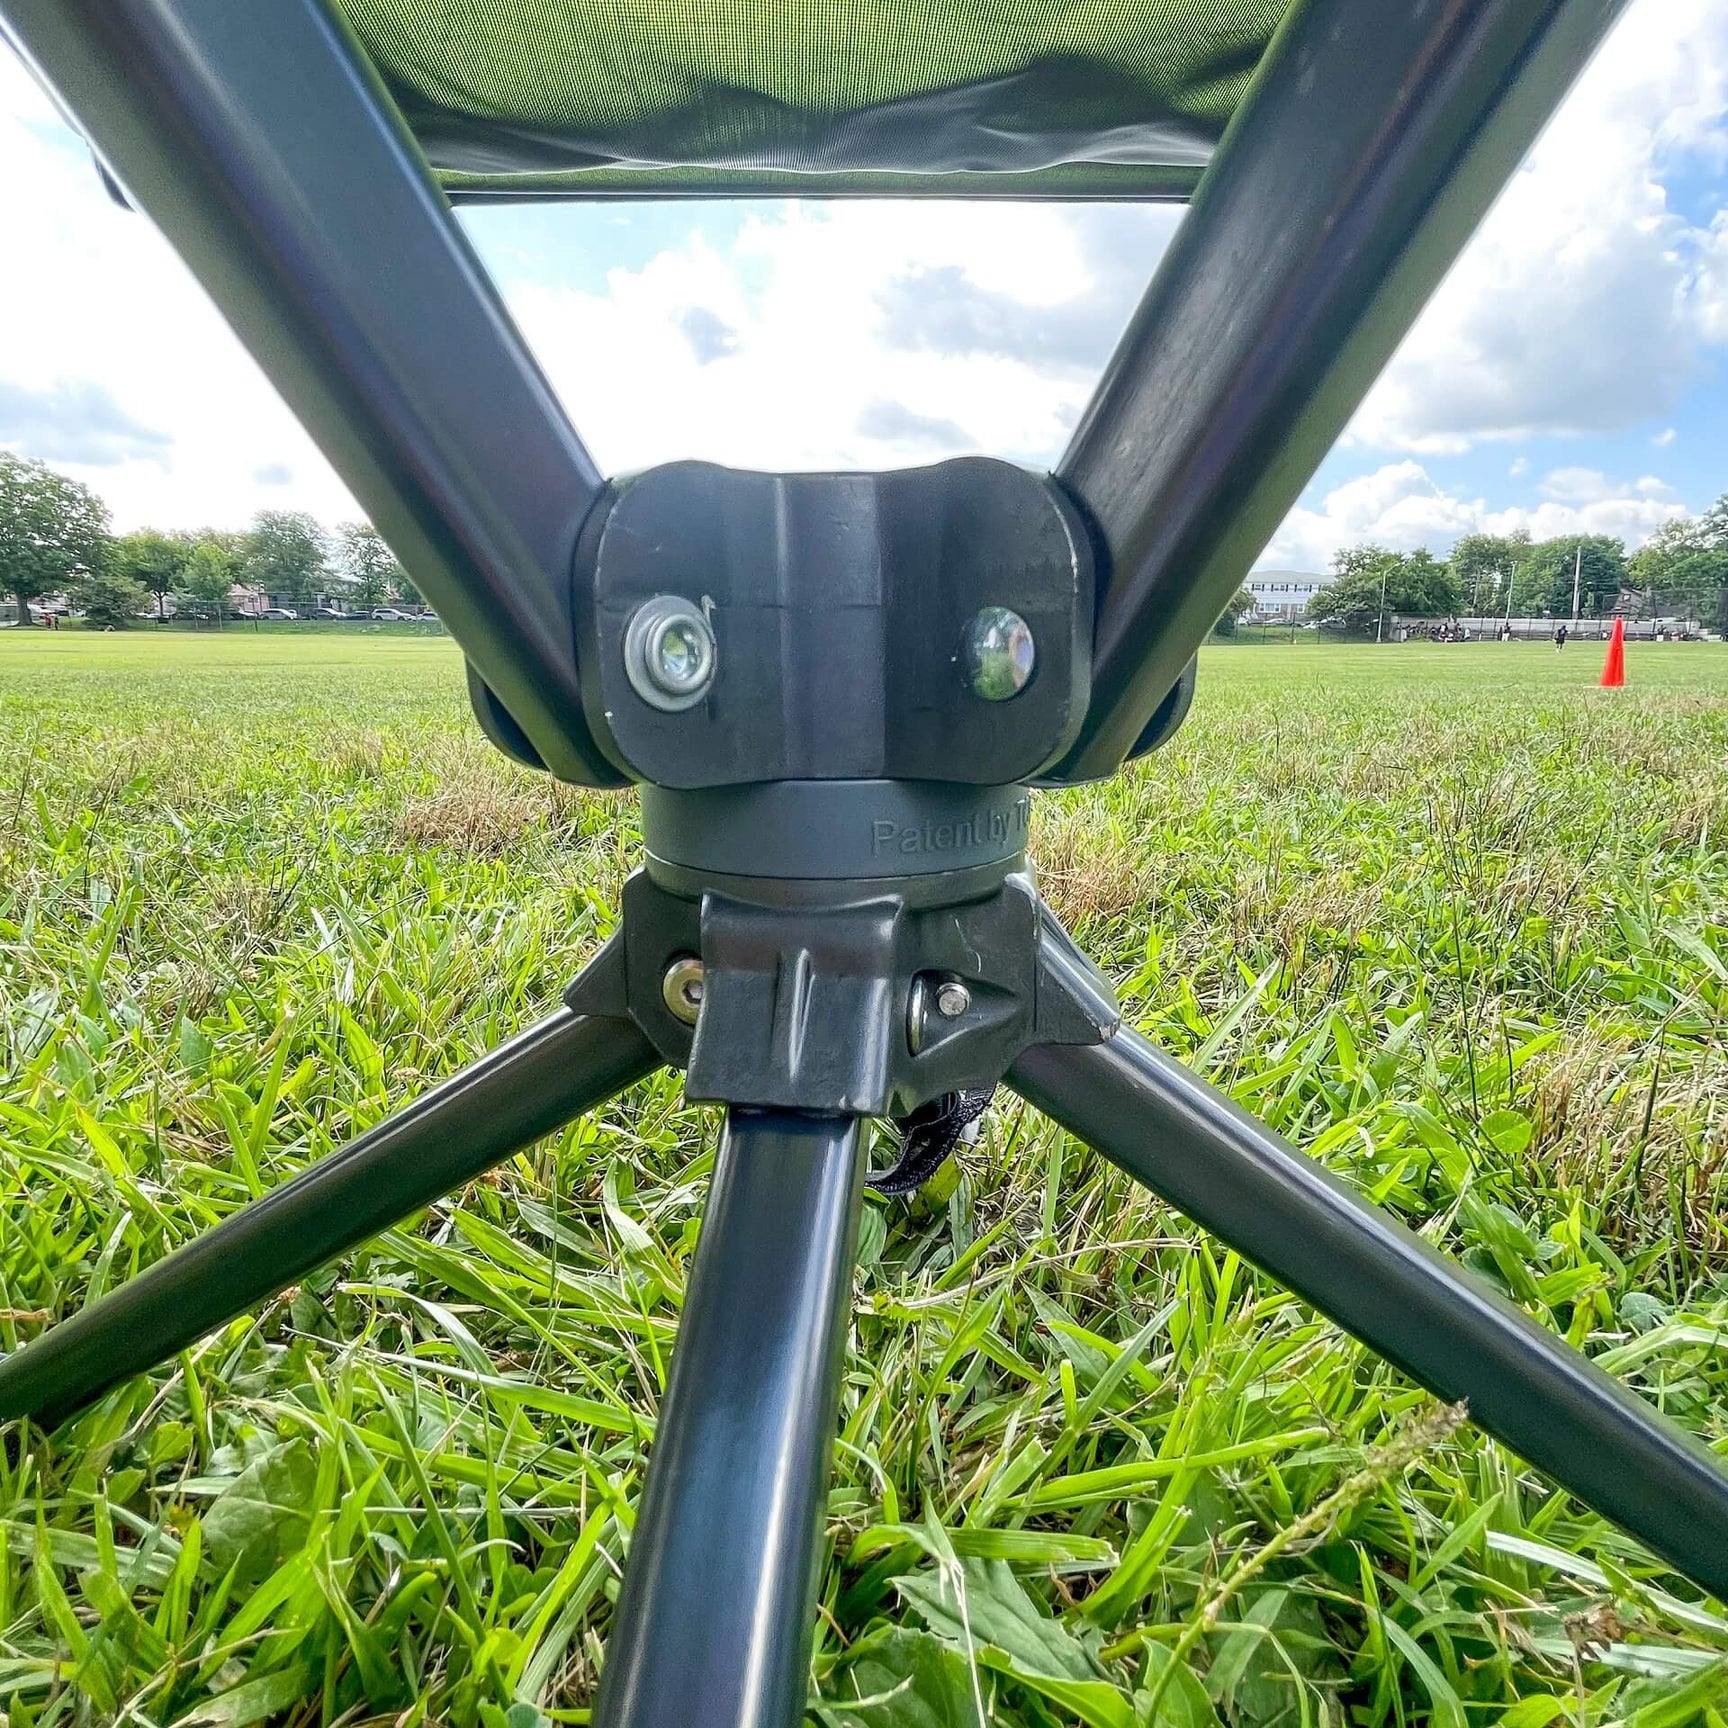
<point>1282,596</point>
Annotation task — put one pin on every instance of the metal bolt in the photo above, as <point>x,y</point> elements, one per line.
<point>998,654</point>
<point>681,988</point>
<point>948,998</point>
<point>669,653</point>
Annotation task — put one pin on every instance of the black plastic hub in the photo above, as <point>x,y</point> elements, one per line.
<point>828,995</point>
<point>838,604</point>
<point>836,830</point>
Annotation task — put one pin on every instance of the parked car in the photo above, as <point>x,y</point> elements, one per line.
<point>329,612</point>
<point>279,614</point>
<point>392,615</point>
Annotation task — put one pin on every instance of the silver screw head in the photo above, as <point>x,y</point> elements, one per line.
<point>932,998</point>
<point>669,653</point>
<point>681,988</point>
<point>997,654</point>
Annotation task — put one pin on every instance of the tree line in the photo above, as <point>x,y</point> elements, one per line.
<point>55,538</point>
<point>1681,571</point>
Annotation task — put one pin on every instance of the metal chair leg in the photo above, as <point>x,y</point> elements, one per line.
<point>714,1622</point>
<point>1188,1143</point>
<point>527,1087</point>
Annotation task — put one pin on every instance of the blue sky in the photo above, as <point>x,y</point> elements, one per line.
<point>1572,373</point>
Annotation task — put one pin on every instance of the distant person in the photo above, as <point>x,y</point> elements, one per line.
<point>1505,632</point>
<point>1559,637</point>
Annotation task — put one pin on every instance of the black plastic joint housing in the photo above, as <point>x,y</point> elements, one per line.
<point>817,996</point>
<point>835,830</point>
<point>838,604</point>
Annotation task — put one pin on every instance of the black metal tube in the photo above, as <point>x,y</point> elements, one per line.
<point>1190,1144</point>
<point>261,142</point>
<point>1374,138</point>
<point>527,1087</point>
<point>714,1622</point>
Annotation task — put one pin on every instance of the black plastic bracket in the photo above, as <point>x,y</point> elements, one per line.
<point>838,605</point>
<point>835,1001</point>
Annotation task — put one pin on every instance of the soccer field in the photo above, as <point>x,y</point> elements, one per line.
<point>1451,918</point>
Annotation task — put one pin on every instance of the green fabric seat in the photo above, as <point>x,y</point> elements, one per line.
<point>643,98</point>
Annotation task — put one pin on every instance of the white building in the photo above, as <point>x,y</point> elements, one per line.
<point>1282,596</point>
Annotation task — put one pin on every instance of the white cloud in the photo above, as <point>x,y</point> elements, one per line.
<point>1585,301</point>
<point>847,335</point>
<point>77,421</point>
<point>1400,506</point>
<point>114,365</point>
<point>1711,298</point>
<point>1574,485</point>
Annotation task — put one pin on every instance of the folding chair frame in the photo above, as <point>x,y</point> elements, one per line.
<point>804,996</point>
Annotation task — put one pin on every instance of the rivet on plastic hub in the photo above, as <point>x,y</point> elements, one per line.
<point>669,653</point>
<point>946,999</point>
<point>681,988</point>
<point>997,654</point>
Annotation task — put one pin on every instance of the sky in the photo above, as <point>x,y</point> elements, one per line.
<point>1571,374</point>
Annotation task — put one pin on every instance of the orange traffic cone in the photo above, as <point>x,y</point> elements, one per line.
<point>1614,667</point>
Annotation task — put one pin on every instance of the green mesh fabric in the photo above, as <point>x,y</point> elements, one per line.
<point>1016,98</point>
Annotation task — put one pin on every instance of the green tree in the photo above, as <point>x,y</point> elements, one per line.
<point>107,596</point>
<point>1543,584</point>
<point>406,592</point>
<point>1683,568</point>
<point>1358,560</point>
<point>209,574</point>
<point>1714,523</point>
<point>1240,603</point>
<point>1668,551</point>
<point>368,563</point>
<point>52,530</point>
<point>1360,591</point>
<point>230,542</point>
<point>1483,566</point>
<point>156,562</point>
<point>1373,583</point>
<point>285,554</point>
<point>1425,587</point>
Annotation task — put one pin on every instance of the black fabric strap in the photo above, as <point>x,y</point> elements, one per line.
<point>928,1138</point>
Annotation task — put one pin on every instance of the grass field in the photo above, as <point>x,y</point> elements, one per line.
<point>1451,918</point>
